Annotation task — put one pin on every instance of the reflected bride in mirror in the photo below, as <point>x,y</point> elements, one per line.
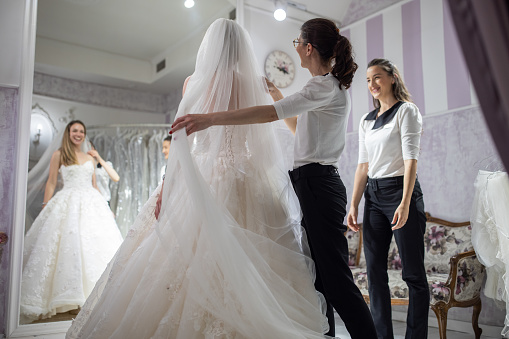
<point>72,239</point>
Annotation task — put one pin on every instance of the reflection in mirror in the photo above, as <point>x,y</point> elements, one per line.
<point>73,238</point>
<point>94,66</point>
<point>136,152</point>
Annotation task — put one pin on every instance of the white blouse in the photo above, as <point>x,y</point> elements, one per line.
<point>322,108</point>
<point>385,142</point>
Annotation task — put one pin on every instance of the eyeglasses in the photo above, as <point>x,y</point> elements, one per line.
<point>296,43</point>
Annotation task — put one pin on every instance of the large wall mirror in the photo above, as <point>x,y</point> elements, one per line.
<point>119,67</point>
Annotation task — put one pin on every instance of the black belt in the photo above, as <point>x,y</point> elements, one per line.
<point>312,170</point>
<point>376,184</point>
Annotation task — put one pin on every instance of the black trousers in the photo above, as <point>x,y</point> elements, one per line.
<point>322,198</point>
<point>382,197</point>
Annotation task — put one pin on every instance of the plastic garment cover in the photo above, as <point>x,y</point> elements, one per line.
<point>135,153</point>
<point>490,234</point>
<point>157,162</point>
<point>227,257</point>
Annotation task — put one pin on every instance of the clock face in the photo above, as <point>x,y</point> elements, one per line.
<point>279,69</point>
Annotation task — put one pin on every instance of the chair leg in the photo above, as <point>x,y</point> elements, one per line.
<point>475,318</point>
<point>440,310</point>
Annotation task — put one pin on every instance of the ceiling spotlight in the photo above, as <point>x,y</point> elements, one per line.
<point>189,3</point>
<point>280,12</point>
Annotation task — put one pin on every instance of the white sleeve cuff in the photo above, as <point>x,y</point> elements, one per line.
<point>279,110</point>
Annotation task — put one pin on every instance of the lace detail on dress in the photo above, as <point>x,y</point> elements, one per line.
<point>77,176</point>
<point>228,144</point>
<point>211,327</point>
<point>67,247</point>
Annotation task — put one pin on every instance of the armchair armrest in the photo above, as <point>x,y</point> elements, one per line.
<point>465,276</point>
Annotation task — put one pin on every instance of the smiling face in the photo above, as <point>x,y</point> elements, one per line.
<point>77,134</point>
<point>380,83</point>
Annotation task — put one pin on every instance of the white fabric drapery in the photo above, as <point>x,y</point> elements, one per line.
<point>490,234</point>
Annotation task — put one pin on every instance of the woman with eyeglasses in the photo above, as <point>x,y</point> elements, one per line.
<point>318,116</point>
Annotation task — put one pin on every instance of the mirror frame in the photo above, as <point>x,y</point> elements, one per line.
<point>13,329</point>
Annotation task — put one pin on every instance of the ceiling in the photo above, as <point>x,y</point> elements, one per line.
<point>120,42</point>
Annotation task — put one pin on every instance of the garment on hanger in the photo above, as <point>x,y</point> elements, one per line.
<point>135,153</point>
<point>490,234</point>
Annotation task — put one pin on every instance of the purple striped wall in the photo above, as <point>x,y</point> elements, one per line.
<point>412,51</point>
<point>375,37</point>
<point>457,76</point>
<point>349,128</point>
<point>375,44</point>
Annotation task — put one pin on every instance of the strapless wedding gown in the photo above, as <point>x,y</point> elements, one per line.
<point>67,247</point>
<point>228,261</point>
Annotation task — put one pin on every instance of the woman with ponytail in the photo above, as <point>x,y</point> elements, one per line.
<point>318,116</point>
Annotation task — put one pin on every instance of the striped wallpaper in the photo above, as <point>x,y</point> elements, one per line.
<point>419,37</point>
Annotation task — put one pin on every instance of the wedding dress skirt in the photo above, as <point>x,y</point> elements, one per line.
<point>228,261</point>
<point>67,247</point>
<point>490,234</point>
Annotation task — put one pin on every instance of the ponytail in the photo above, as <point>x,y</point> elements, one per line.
<point>333,48</point>
<point>344,65</point>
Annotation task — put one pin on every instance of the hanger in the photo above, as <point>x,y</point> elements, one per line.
<point>491,163</point>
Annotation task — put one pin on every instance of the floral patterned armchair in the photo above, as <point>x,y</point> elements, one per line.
<point>455,276</point>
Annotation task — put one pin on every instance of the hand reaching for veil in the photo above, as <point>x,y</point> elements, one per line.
<point>274,92</point>
<point>192,123</point>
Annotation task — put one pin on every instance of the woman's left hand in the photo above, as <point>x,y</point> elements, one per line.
<point>274,92</point>
<point>192,123</point>
<point>94,154</point>
<point>400,216</point>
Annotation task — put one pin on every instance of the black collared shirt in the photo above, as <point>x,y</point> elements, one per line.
<point>385,117</point>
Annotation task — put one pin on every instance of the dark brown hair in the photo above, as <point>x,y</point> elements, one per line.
<point>398,87</point>
<point>333,47</point>
<point>67,153</point>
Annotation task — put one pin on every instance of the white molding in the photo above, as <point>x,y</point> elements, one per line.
<point>372,15</point>
<point>13,329</point>
<point>55,330</point>
<point>240,13</point>
<point>8,86</point>
<point>454,325</point>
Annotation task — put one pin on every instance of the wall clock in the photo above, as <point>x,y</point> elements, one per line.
<point>280,69</point>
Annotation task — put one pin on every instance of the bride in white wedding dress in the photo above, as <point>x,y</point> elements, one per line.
<point>227,257</point>
<point>72,239</point>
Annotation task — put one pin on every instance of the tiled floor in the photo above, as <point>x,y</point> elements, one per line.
<point>400,328</point>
